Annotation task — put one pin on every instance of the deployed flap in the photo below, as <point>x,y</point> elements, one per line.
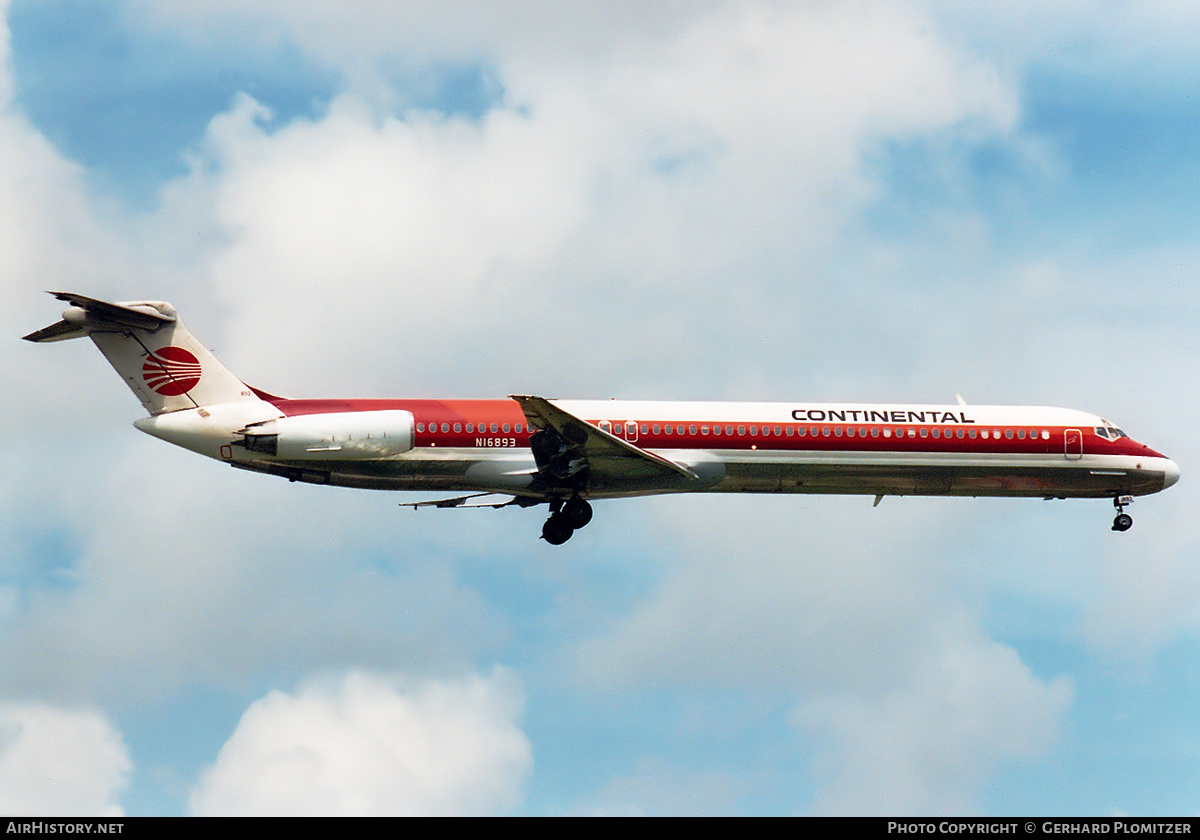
<point>588,454</point>
<point>475,500</point>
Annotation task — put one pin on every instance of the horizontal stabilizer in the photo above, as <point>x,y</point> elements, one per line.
<point>147,344</point>
<point>59,331</point>
<point>140,315</point>
<point>87,313</point>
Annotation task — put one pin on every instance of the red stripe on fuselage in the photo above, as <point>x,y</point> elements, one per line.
<point>481,415</point>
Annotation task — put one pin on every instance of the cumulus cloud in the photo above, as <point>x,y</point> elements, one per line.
<point>372,745</point>
<point>928,745</point>
<point>782,593</point>
<point>60,762</point>
<point>662,199</point>
<point>860,619</point>
<point>385,245</point>
<point>189,588</point>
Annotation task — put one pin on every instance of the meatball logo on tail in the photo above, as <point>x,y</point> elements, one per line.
<point>171,371</point>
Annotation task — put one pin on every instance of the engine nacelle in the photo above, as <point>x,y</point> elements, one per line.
<point>344,436</point>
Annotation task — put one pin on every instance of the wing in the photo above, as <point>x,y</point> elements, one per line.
<point>572,454</point>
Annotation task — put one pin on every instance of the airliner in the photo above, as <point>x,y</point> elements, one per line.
<point>527,450</point>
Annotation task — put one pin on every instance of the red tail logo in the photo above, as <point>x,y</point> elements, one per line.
<point>171,371</point>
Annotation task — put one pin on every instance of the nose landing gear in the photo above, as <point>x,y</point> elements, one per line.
<point>1123,521</point>
<point>565,518</point>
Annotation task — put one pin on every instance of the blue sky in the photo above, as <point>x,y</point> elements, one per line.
<point>892,201</point>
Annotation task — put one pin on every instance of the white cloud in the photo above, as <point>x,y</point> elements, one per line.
<point>60,762</point>
<point>929,744</point>
<point>1146,593</point>
<point>787,593</point>
<point>660,204</point>
<point>702,176</point>
<point>373,745</point>
<point>864,621</point>
<point>199,573</point>
<point>1128,43</point>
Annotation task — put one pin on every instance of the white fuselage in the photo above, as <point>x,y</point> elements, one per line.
<point>784,447</point>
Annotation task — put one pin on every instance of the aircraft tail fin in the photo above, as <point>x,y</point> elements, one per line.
<point>148,345</point>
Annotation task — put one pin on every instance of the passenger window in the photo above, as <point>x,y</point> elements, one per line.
<point>458,427</point>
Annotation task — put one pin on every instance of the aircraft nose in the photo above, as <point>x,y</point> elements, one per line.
<point>1170,473</point>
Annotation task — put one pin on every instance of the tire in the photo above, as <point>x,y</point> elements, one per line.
<point>577,512</point>
<point>557,530</point>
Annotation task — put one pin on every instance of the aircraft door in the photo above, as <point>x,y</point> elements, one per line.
<point>1073,444</point>
<point>631,430</point>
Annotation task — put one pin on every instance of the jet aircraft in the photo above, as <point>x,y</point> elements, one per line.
<point>528,450</point>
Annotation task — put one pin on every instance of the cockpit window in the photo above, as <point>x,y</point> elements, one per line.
<point>1110,431</point>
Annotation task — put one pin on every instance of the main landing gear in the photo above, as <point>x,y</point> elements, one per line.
<point>565,518</point>
<point>1123,521</point>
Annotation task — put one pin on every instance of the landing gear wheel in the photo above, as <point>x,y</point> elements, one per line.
<point>1124,521</point>
<point>557,529</point>
<point>578,512</point>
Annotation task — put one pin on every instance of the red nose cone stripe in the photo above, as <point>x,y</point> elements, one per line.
<point>171,371</point>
